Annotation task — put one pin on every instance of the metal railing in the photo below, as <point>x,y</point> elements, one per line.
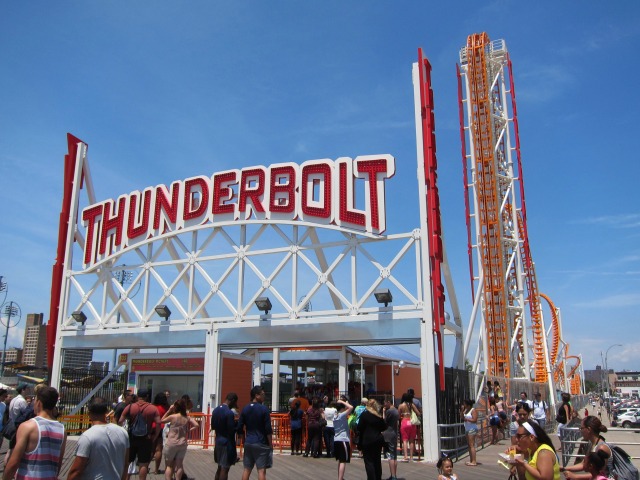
<point>571,441</point>
<point>205,437</point>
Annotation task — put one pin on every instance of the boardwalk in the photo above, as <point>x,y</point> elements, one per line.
<point>200,464</point>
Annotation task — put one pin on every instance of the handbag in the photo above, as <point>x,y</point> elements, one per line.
<point>414,418</point>
<point>9,430</point>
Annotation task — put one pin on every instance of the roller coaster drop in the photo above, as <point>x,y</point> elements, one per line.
<point>503,276</point>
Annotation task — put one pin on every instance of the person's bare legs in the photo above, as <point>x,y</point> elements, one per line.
<point>341,468</point>
<point>262,473</point>
<point>393,468</point>
<point>246,473</point>
<point>405,450</point>
<point>157,456</point>
<point>412,446</point>
<point>179,467</point>
<point>168,471</point>
<point>143,469</point>
<point>471,440</point>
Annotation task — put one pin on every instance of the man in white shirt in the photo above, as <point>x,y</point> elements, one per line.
<point>540,410</point>
<point>19,403</point>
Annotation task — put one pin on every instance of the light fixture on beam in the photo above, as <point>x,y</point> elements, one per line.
<point>163,311</point>
<point>400,365</point>
<point>263,304</point>
<point>79,316</point>
<point>383,295</point>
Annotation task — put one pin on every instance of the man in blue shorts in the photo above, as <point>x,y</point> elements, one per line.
<point>258,448</point>
<point>224,423</point>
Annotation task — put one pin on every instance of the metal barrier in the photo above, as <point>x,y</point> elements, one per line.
<point>205,436</point>
<point>453,439</point>
<point>570,438</point>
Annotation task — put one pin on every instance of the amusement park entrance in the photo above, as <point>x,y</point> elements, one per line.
<point>275,257</point>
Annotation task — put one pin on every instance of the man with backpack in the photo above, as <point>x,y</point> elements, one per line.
<point>142,417</point>
<point>540,410</point>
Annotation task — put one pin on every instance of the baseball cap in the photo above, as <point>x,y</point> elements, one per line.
<point>143,393</point>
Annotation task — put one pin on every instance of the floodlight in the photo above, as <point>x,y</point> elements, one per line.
<point>383,295</point>
<point>263,304</point>
<point>163,311</point>
<point>79,316</point>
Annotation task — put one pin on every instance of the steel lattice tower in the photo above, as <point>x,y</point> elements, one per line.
<point>503,276</point>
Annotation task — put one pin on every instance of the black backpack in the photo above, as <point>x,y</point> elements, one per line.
<point>139,426</point>
<point>561,417</point>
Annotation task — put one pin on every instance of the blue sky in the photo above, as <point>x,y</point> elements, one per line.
<point>166,90</point>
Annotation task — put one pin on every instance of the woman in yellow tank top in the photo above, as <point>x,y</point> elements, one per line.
<point>540,461</point>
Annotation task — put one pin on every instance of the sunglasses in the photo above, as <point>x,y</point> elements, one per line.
<point>520,435</point>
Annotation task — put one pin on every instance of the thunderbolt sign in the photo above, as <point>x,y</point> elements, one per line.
<point>318,191</point>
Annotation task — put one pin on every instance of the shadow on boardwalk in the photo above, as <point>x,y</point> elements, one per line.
<point>199,465</point>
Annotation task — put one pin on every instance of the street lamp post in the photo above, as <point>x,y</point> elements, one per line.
<point>395,371</point>
<point>11,310</point>
<point>606,366</point>
<point>122,276</point>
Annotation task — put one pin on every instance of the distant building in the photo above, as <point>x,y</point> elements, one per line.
<point>14,355</point>
<point>627,384</point>
<point>76,358</point>
<point>100,367</point>
<point>34,346</point>
<point>596,376</point>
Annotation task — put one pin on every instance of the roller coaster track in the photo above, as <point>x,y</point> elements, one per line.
<point>574,379</point>
<point>488,208</point>
<point>495,185</point>
<point>555,335</point>
<point>537,326</point>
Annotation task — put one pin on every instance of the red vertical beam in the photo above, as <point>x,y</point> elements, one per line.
<point>433,206</point>
<point>63,230</point>
<point>465,179</point>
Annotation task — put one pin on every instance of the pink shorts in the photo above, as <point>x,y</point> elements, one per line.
<point>408,431</point>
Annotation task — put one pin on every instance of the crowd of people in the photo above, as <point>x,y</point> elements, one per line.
<point>330,424</point>
<point>137,434</point>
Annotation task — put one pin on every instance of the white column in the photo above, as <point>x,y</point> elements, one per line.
<point>211,394</point>
<point>56,368</point>
<point>275,381</point>
<point>428,384</point>
<point>427,348</point>
<point>256,368</point>
<point>342,370</point>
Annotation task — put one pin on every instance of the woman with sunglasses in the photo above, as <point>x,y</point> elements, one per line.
<point>540,461</point>
<point>590,428</point>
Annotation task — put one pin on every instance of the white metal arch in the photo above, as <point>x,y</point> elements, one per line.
<point>210,276</point>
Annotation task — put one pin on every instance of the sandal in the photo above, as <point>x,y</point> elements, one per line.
<point>469,464</point>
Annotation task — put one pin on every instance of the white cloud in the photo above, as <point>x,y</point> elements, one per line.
<point>541,83</point>
<point>612,301</point>
<point>619,220</point>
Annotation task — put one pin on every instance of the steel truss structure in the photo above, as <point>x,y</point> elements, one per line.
<point>209,277</point>
<point>512,340</point>
<point>502,276</point>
